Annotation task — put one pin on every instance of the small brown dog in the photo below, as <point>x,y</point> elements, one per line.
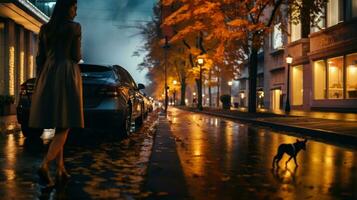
<point>291,149</point>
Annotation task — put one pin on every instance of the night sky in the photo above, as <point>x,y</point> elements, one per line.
<point>105,41</point>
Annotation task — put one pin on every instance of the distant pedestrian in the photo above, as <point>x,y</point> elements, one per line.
<point>57,99</point>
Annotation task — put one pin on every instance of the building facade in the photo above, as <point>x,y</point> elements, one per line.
<point>323,75</point>
<point>20,22</point>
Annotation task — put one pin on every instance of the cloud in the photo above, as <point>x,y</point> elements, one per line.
<point>105,41</point>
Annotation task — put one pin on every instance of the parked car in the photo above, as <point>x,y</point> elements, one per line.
<point>112,100</point>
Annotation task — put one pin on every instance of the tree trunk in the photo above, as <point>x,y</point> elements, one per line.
<point>199,94</point>
<point>183,92</point>
<point>218,91</point>
<point>253,68</point>
<point>305,18</point>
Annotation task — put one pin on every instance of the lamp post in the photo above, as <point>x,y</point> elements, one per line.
<point>174,92</point>
<point>200,62</point>
<point>230,83</point>
<point>289,60</point>
<point>166,48</point>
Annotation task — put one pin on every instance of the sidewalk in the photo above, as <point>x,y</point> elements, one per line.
<point>343,130</point>
<point>165,178</point>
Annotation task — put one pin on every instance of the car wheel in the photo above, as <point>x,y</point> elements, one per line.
<point>140,120</point>
<point>31,132</point>
<point>126,128</point>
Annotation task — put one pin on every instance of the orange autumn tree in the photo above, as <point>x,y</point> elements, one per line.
<point>200,26</point>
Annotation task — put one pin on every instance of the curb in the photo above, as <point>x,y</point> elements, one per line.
<point>310,132</point>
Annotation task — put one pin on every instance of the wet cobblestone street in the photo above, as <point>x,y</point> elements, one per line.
<point>101,166</point>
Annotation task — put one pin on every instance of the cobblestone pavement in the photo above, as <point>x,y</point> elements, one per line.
<point>102,166</point>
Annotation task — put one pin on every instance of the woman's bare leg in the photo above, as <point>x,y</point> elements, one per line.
<point>56,147</point>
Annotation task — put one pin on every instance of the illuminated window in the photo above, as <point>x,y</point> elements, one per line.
<point>297,85</point>
<point>277,37</point>
<point>319,79</point>
<point>275,99</point>
<point>295,32</point>
<point>351,76</point>
<point>335,78</point>
<point>319,22</point>
<point>334,12</point>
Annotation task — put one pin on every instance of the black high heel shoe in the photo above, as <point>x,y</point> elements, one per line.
<point>62,176</point>
<point>45,177</point>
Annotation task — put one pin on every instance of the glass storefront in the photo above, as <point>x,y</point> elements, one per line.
<point>335,78</point>
<point>319,80</point>
<point>351,76</point>
<point>339,75</point>
<point>297,85</point>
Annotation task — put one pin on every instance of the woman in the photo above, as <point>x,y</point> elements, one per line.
<point>57,99</point>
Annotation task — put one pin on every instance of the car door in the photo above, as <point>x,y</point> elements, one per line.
<point>128,82</point>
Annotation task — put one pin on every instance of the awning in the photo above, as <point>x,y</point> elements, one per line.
<point>24,13</point>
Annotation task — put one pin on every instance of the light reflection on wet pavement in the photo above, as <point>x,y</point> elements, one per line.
<point>102,166</point>
<point>222,159</point>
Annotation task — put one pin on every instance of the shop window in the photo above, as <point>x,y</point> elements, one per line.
<point>335,78</point>
<point>276,99</point>
<point>277,37</point>
<point>319,79</point>
<point>334,12</point>
<point>351,76</point>
<point>297,85</point>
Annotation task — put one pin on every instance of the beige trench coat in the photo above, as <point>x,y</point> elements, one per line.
<point>57,100</point>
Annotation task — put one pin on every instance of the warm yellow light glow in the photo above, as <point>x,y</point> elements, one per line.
<point>22,67</point>
<point>242,95</point>
<point>194,94</point>
<point>31,69</point>
<point>186,100</point>
<point>174,82</point>
<point>353,69</point>
<point>289,59</point>
<point>230,83</point>
<point>200,61</point>
<point>333,69</point>
<point>12,71</point>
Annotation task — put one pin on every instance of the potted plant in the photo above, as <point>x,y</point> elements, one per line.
<point>5,103</point>
<point>226,101</point>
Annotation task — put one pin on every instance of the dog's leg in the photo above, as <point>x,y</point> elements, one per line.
<point>295,161</point>
<point>274,162</point>
<point>286,163</point>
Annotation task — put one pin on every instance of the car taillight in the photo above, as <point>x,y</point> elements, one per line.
<point>109,91</point>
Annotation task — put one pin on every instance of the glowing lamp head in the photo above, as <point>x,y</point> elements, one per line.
<point>194,94</point>
<point>289,59</point>
<point>174,82</point>
<point>230,83</point>
<point>200,61</point>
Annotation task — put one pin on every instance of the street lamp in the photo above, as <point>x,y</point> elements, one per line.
<point>174,92</point>
<point>200,62</point>
<point>289,60</point>
<point>166,48</point>
<point>230,83</point>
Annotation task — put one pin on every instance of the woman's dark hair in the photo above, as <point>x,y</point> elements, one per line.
<point>60,14</point>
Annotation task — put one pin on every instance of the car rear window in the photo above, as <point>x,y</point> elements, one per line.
<point>96,71</point>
